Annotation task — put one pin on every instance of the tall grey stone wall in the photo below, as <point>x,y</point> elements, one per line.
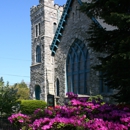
<point>46,13</point>
<point>76,27</point>
<point>51,68</point>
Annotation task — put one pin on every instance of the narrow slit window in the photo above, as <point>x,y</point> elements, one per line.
<point>54,27</point>
<point>38,54</point>
<point>57,87</point>
<point>36,30</point>
<point>39,25</point>
<point>73,16</point>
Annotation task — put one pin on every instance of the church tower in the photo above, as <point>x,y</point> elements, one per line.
<point>44,20</point>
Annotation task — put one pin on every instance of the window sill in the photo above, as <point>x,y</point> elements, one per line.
<point>57,97</point>
<point>36,64</point>
<point>79,95</point>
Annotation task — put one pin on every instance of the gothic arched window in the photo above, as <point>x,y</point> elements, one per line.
<point>77,68</point>
<point>38,54</point>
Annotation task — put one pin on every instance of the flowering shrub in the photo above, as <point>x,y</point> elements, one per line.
<point>100,124</point>
<point>19,120</point>
<point>80,114</point>
<point>71,95</point>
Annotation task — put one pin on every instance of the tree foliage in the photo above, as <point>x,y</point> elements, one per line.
<point>1,82</point>
<point>8,98</point>
<point>23,90</point>
<point>113,43</point>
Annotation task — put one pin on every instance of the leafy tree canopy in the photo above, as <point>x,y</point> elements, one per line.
<point>23,90</point>
<point>113,43</point>
<point>8,98</point>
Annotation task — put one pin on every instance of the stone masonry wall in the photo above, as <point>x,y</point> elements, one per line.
<point>76,27</point>
<point>46,13</point>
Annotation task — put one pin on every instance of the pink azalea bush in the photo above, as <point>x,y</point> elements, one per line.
<point>78,114</point>
<point>19,120</point>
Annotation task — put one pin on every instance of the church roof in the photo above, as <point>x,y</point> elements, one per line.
<point>60,28</point>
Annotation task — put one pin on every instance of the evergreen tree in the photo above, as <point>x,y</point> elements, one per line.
<point>114,43</point>
<point>1,81</point>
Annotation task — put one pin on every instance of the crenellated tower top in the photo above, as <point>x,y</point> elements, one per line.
<point>49,3</point>
<point>46,1</point>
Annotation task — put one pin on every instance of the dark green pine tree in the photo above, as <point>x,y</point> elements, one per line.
<point>114,43</point>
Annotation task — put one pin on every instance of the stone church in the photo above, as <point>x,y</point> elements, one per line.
<point>61,58</point>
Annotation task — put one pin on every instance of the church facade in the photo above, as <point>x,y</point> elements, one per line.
<point>61,59</point>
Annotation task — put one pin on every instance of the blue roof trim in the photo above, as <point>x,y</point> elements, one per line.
<point>58,34</point>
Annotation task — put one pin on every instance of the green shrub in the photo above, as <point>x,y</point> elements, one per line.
<point>29,106</point>
<point>95,98</point>
<point>8,100</point>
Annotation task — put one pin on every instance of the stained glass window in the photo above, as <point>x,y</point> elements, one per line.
<point>77,68</point>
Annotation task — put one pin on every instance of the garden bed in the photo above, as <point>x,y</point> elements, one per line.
<point>78,114</point>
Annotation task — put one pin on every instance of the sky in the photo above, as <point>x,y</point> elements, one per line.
<point>15,39</point>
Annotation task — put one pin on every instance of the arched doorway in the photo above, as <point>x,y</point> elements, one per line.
<point>37,92</point>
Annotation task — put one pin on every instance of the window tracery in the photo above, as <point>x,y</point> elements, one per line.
<point>77,68</point>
